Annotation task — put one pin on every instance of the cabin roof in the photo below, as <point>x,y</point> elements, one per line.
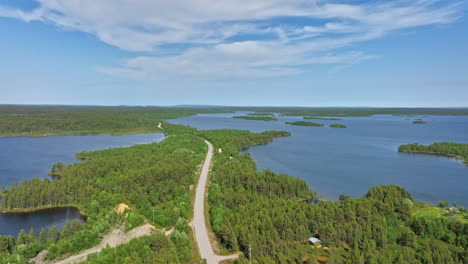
<point>314,240</point>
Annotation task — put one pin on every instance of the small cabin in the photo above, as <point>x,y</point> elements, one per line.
<point>315,242</point>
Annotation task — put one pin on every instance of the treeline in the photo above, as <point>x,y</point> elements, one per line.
<point>156,248</point>
<point>255,117</point>
<point>304,123</point>
<point>153,179</point>
<point>27,245</point>
<point>274,215</point>
<point>449,149</point>
<point>84,120</point>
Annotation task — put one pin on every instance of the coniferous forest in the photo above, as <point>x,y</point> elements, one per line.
<point>272,214</point>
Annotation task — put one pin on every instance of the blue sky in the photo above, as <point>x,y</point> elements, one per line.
<point>234,52</point>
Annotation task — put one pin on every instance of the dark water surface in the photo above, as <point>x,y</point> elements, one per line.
<point>27,157</point>
<point>352,160</point>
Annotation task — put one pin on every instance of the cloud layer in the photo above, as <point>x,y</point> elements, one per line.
<point>235,38</point>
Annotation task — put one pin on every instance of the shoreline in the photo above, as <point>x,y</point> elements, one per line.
<point>462,159</point>
<point>25,211</point>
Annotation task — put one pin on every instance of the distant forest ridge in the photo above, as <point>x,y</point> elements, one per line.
<point>48,120</point>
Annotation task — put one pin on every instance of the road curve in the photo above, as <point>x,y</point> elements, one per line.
<point>198,223</point>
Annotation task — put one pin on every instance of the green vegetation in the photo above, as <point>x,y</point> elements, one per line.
<point>321,118</point>
<point>261,118</point>
<point>338,125</point>
<point>156,248</point>
<point>276,214</point>
<point>260,114</point>
<point>85,120</point>
<point>425,210</point>
<point>153,179</point>
<point>448,149</point>
<point>419,122</point>
<point>304,123</point>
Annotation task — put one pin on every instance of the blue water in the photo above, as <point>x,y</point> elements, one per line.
<point>352,160</point>
<point>27,157</point>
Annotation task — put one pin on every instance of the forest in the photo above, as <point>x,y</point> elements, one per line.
<point>275,214</point>
<point>321,118</point>
<point>338,126</point>
<point>86,120</point>
<point>260,114</point>
<point>448,149</point>
<point>255,117</point>
<point>153,179</point>
<point>304,123</point>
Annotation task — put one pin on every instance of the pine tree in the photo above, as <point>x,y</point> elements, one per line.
<point>54,234</point>
<point>31,236</point>
<point>22,238</point>
<point>43,237</point>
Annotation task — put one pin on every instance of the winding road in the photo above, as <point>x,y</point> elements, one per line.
<point>198,223</point>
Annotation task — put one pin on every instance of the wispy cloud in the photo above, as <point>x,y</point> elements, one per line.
<point>235,38</point>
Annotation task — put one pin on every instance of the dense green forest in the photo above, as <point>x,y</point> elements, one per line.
<point>156,248</point>
<point>84,120</point>
<point>34,120</point>
<point>276,214</point>
<point>449,149</point>
<point>153,179</point>
<point>321,118</point>
<point>273,213</point>
<point>338,126</point>
<point>304,123</point>
<point>260,118</point>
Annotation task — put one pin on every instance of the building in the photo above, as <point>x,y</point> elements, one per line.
<point>315,242</point>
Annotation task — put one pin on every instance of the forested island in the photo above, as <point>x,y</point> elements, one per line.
<point>260,118</point>
<point>304,123</point>
<point>272,214</point>
<point>260,114</point>
<point>338,126</point>
<point>321,118</point>
<point>448,149</point>
<point>419,122</point>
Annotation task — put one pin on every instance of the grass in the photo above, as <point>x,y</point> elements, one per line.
<point>338,125</point>
<point>260,118</point>
<point>421,209</point>
<point>321,118</point>
<point>304,123</point>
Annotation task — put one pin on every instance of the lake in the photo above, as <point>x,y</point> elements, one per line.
<point>28,157</point>
<point>352,160</point>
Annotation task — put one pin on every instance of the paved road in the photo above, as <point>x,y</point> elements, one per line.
<point>198,223</point>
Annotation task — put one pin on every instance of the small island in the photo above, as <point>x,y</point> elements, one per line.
<point>304,123</point>
<point>260,114</point>
<point>448,149</point>
<point>419,121</point>
<point>321,118</point>
<point>261,118</point>
<point>338,125</point>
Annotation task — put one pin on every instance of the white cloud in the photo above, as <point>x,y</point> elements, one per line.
<point>266,47</point>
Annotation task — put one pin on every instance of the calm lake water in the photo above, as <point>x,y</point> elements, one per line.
<point>353,159</point>
<point>27,157</point>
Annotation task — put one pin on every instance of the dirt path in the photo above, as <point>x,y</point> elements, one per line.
<point>114,238</point>
<point>198,223</point>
